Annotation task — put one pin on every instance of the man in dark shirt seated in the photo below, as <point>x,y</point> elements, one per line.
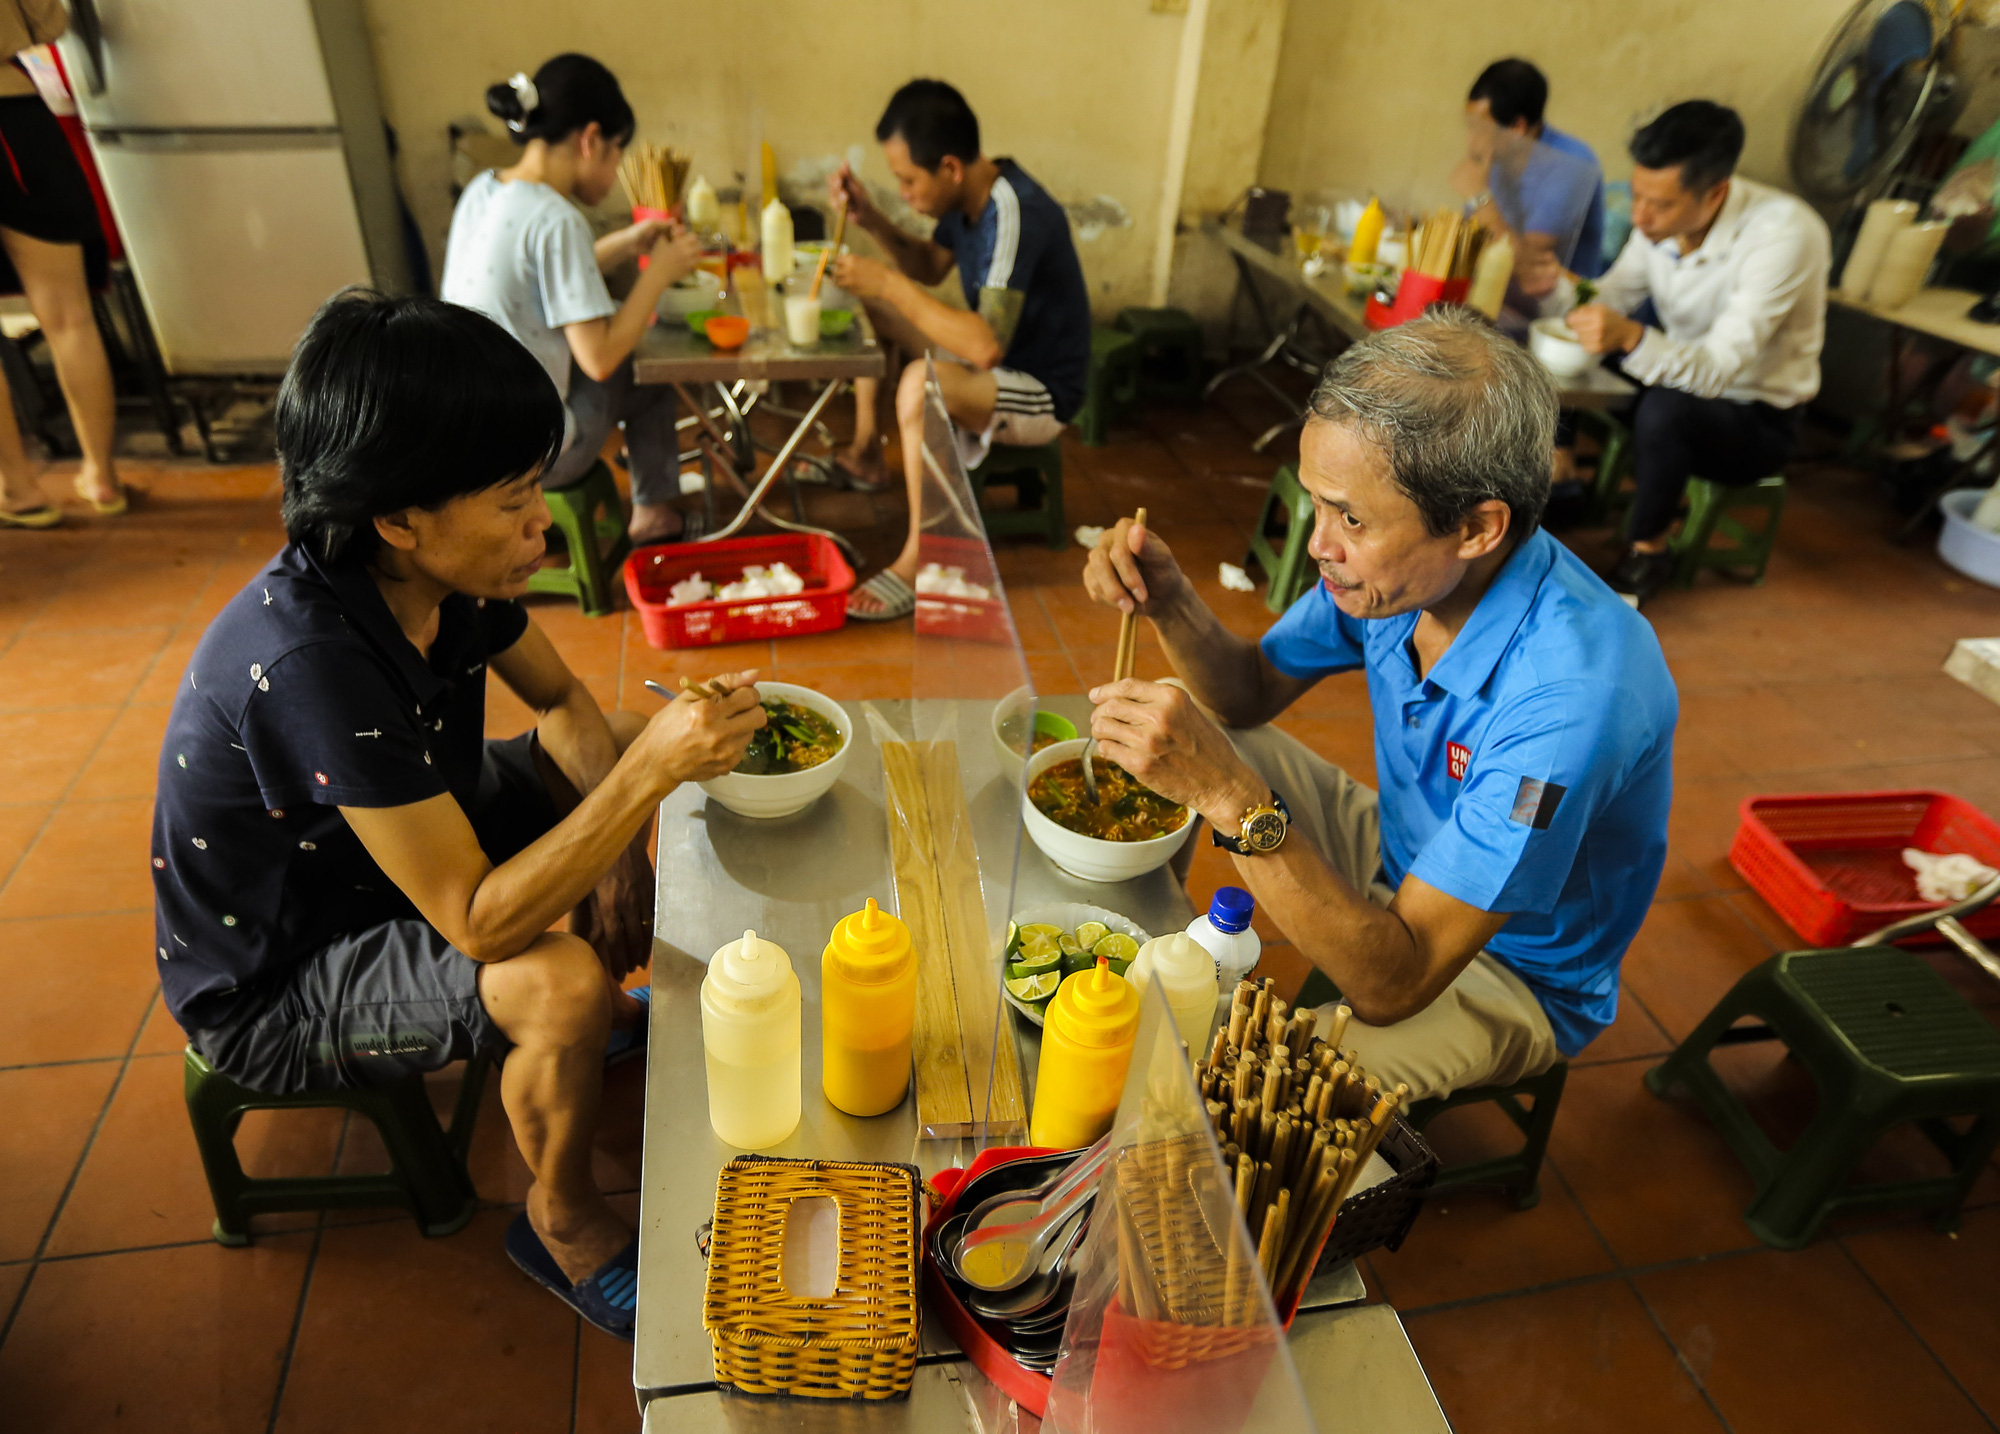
<point>352,884</point>
<point>1013,361</point>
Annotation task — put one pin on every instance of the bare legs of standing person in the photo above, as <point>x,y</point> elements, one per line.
<point>52,276</point>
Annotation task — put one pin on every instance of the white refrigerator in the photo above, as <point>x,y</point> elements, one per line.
<point>242,149</point>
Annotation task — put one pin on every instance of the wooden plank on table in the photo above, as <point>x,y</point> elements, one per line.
<point>944,1099</point>
<point>997,1107</point>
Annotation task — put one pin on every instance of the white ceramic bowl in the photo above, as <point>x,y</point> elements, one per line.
<point>1554,343</point>
<point>698,291</point>
<point>783,793</point>
<point>1962,543</point>
<point>1088,857</point>
<point>1012,708</point>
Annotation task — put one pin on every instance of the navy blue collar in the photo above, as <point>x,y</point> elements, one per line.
<point>368,611</point>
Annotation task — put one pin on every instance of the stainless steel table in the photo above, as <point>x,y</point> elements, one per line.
<point>792,880</point>
<point>1356,1367</point>
<point>1326,300</point>
<point>669,353</point>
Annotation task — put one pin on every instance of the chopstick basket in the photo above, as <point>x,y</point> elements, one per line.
<point>860,1341</point>
<point>1379,1217</point>
<point>1414,294</point>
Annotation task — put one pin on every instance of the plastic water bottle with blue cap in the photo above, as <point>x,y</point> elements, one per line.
<point>1226,935</point>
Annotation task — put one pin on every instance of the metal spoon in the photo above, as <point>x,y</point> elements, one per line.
<point>1034,1295</point>
<point>1001,1257</point>
<point>1015,1206</point>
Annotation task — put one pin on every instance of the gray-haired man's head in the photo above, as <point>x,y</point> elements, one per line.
<point>1429,447</point>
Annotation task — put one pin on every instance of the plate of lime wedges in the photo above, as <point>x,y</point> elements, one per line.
<point>1047,944</point>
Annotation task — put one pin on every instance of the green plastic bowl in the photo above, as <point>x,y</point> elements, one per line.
<point>698,320</point>
<point>835,322</point>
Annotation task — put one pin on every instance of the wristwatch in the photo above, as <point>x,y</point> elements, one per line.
<point>1264,827</point>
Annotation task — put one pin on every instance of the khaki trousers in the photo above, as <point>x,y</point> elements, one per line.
<point>1486,1028</point>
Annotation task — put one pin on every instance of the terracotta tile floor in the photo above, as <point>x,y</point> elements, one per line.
<point>1631,1298</point>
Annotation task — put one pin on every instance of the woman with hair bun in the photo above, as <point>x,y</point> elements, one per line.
<point>522,253</point>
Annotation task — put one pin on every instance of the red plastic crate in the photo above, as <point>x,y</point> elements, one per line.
<point>650,574</point>
<point>1832,865</point>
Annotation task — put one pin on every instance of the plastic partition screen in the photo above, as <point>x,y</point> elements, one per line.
<point>954,804</point>
<point>1170,1329</point>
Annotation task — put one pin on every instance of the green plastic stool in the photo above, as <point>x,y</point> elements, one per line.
<point>1711,507</point>
<point>1036,473</point>
<point>1887,1041</point>
<point>1608,494</point>
<point>1291,570</point>
<point>1112,386</point>
<point>427,1163</point>
<point>1520,1174</point>
<point>1169,352</point>
<point>591,520</point>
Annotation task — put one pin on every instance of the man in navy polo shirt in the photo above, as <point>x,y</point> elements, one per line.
<point>1013,361</point>
<point>351,885</point>
<point>1475,912</point>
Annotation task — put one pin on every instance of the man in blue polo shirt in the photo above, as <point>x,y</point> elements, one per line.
<point>1475,912</point>
<point>1544,188</point>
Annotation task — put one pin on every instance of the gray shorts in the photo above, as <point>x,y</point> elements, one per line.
<point>391,1000</point>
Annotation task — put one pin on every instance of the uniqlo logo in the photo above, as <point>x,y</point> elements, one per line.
<point>1456,760</point>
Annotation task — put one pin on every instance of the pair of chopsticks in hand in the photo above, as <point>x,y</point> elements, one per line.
<point>1128,630</point>
<point>712,689</point>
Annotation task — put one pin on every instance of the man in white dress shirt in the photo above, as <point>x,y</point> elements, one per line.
<point>1737,273</point>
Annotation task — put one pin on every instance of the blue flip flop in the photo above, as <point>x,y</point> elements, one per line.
<point>627,1043</point>
<point>609,1299</point>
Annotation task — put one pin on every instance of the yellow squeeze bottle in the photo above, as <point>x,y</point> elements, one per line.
<point>750,1039</point>
<point>868,1005</point>
<point>1367,234</point>
<point>1086,1046</point>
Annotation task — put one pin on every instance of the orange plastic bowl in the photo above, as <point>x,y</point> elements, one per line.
<point>727,331</point>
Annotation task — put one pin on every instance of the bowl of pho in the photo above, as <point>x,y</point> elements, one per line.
<point>793,760</point>
<point>1013,715</point>
<point>1129,831</point>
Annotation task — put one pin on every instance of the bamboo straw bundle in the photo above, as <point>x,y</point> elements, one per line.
<point>1447,246</point>
<point>1296,1129</point>
<point>653,175</point>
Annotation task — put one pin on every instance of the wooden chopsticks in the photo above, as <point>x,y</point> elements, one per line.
<point>826,255</point>
<point>1128,631</point>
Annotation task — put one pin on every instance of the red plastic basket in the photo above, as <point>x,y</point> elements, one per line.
<point>1832,865</point>
<point>650,574</point>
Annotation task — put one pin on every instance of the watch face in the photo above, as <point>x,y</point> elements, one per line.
<point>1263,831</point>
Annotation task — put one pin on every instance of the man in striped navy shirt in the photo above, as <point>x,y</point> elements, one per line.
<point>1018,351</point>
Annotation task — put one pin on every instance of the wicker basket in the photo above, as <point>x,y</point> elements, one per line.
<point>1379,1217</point>
<point>858,1343</point>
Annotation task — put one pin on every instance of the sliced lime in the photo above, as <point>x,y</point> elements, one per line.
<point>1040,928</point>
<point>1033,990</point>
<point>1075,961</point>
<point>1039,948</point>
<point>1119,966</point>
<point>1025,964</point>
<point>1119,947</point>
<point>1090,933</point>
<point>1070,945</point>
<point>1013,938</point>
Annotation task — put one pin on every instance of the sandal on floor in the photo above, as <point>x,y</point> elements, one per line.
<point>45,516</point>
<point>897,597</point>
<point>630,1041</point>
<point>609,1299</point>
<point>118,507</point>
<point>693,525</point>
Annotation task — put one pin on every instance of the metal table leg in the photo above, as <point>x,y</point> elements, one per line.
<point>724,454</point>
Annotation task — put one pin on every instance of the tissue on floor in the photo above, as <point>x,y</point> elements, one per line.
<point>1951,877</point>
<point>1235,579</point>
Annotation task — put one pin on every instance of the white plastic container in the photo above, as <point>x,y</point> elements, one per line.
<point>750,1037</point>
<point>1186,973</point>
<point>1226,935</point>
<point>704,210</point>
<point>775,230</point>
<point>1966,546</point>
